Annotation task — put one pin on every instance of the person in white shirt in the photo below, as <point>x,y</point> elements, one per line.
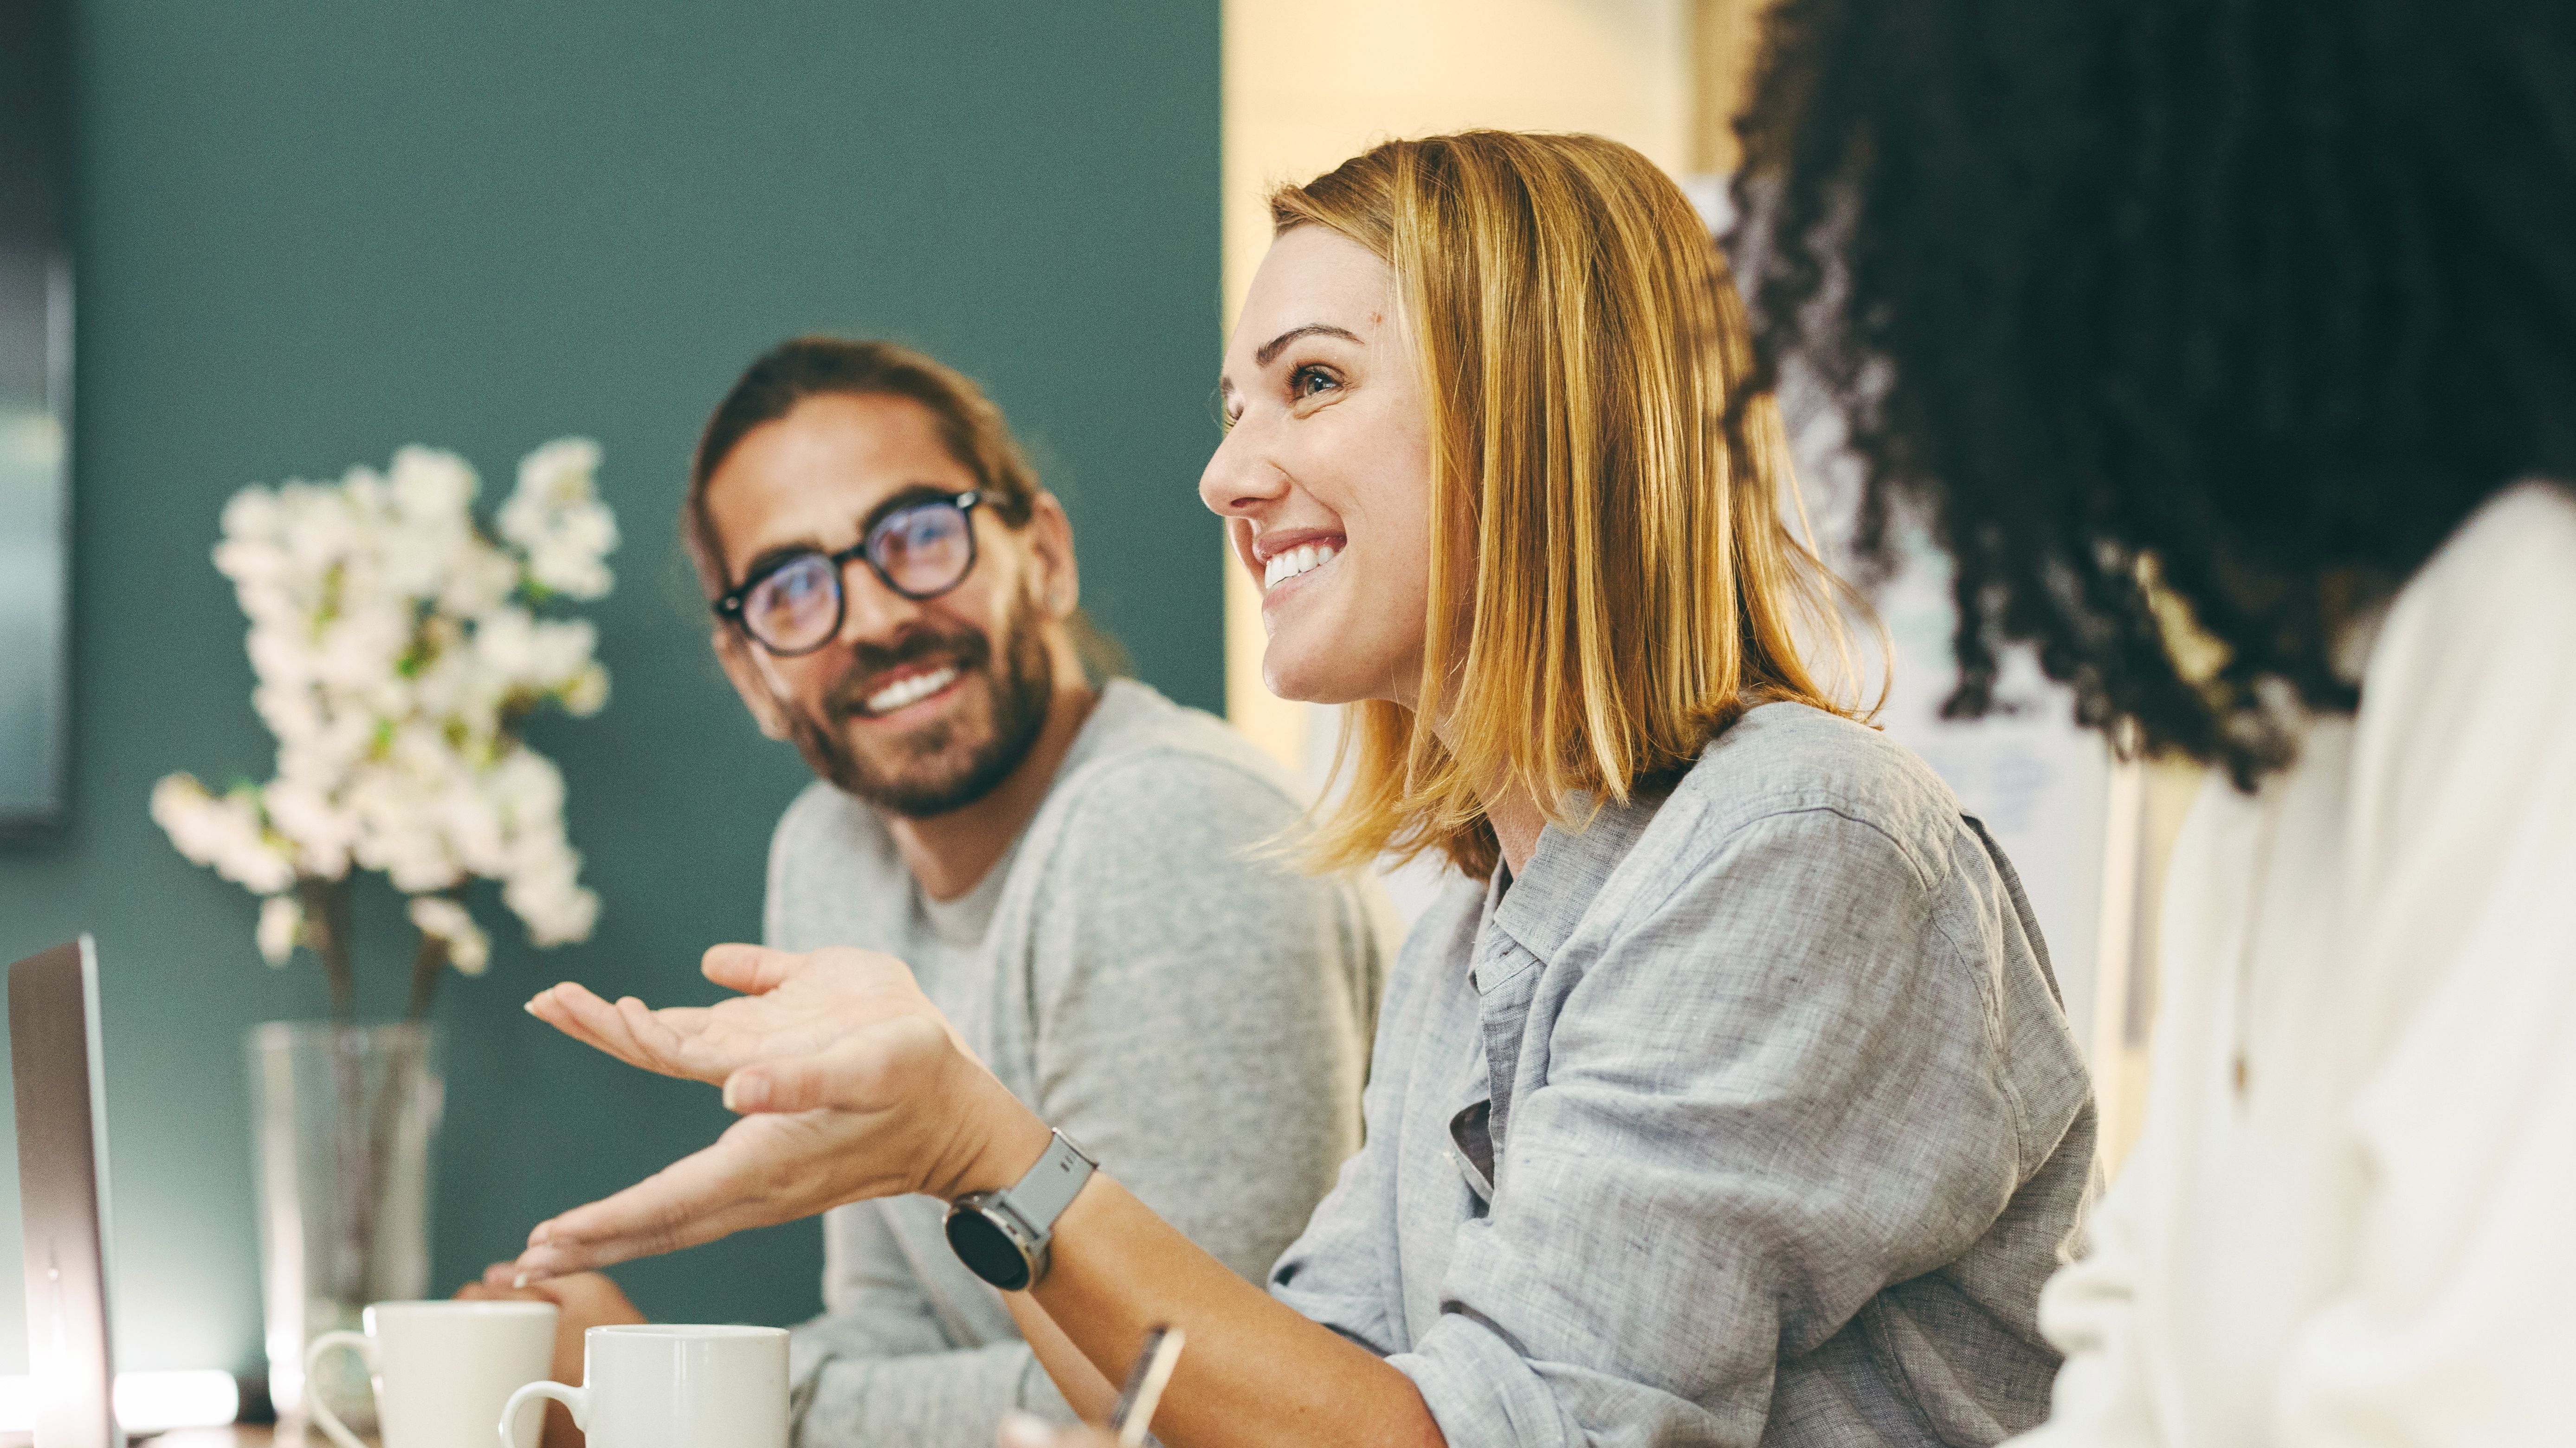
<point>2231,350</point>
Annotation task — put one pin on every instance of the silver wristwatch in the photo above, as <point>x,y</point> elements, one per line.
<point>1002,1236</point>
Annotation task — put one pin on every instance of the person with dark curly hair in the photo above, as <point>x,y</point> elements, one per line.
<point>2229,346</point>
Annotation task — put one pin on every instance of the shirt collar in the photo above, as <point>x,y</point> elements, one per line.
<point>1541,906</point>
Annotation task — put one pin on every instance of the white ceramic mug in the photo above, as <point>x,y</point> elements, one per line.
<point>441,1370</point>
<point>654,1385</point>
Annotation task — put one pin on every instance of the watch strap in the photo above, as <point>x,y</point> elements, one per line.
<point>1041,1196</point>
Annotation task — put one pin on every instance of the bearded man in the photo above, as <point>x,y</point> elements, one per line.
<point>1067,861</point>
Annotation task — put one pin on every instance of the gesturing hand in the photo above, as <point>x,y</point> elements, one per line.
<point>791,1006</point>
<point>851,1085</point>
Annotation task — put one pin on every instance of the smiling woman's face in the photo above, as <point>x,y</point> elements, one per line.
<point>1324,477</point>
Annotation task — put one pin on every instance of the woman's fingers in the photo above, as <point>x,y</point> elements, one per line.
<point>688,1021</point>
<point>866,1071</point>
<point>842,1079</point>
<point>547,1005</point>
<point>573,1010</point>
<point>650,1040</point>
<point>750,969</point>
<point>699,1198</point>
<point>673,1052</point>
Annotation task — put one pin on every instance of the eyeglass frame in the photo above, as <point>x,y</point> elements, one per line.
<point>729,605</point>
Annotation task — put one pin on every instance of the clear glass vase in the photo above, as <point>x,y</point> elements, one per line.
<point>343,1118</point>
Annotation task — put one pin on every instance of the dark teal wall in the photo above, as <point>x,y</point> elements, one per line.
<point>312,232</point>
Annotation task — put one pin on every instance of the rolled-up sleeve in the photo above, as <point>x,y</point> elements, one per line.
<point>1771,1097</point>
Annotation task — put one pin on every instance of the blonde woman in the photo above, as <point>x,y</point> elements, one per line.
<point>1729,1102</point>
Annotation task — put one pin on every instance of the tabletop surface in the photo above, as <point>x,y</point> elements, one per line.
<point>242,1436</point>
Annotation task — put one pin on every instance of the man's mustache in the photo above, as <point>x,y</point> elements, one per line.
<point>966,647</point>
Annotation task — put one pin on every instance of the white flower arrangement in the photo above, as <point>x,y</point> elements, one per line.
<point>397,648</point>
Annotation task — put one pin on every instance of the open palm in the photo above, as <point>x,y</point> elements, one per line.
<point>792,1006</point>
<point>852,1086</point>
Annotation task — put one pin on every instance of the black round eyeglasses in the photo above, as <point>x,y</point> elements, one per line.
<point>795,604</point>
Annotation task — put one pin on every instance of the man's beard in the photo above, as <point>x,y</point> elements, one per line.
<point>940,766</point>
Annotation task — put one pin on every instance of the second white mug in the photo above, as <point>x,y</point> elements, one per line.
<point>660,1385</point>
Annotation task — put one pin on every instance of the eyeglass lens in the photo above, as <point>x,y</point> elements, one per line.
<point>921,552</point>
<point>797,606</point>
<point>924,550</point>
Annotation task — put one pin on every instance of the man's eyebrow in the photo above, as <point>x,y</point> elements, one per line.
<point>910,495</point>
<point>777,553</point>
<point>1270,350</point>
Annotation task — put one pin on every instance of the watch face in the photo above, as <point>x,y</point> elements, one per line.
<point>987,1250</point>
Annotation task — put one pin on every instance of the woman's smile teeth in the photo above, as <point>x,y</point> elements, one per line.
<point>1304,559</point>
<point>911,690</point>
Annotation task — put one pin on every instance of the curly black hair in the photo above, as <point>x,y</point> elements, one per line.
<point>2236,305</point>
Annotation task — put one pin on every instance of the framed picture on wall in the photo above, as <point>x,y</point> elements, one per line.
<point>35,415</point>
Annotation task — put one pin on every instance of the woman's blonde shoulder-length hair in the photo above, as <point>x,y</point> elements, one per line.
<point>1632,586</point>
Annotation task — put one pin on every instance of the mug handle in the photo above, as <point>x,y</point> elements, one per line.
<point>357,1342</point>
<point>577,1399</point>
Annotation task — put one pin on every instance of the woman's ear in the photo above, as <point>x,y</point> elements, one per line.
<point>1051,545</point>
<point>743,670</point>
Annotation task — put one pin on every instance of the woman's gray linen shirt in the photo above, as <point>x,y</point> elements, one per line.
<point>1744,1115</point>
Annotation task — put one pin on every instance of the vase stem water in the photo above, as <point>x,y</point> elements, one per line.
<point>344,1118</point>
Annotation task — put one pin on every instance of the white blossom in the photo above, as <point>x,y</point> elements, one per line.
<point>431,526</point>
<point>505,645</point>
<point>560,651</point>
<point>569,566</point>
<point>529,789</point>
<point>478,580</point>
<point>587,694</point>
<point>396,648</point>
<point>282,653</point>
<point>476,829</point>
<point>360,650</point>
<point>435,486</point>
<point>320,527</point>
<point>554,478</point>
<point>544,893</point>
<point>398,833</point>
<point>223,832</point>
<point>257,561</point>
<point>291,713</point>
<point>281,924</point>
<point>322,832</point>
<point>439,917</point>
<point>556,518</point>
<point>254,515</point>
